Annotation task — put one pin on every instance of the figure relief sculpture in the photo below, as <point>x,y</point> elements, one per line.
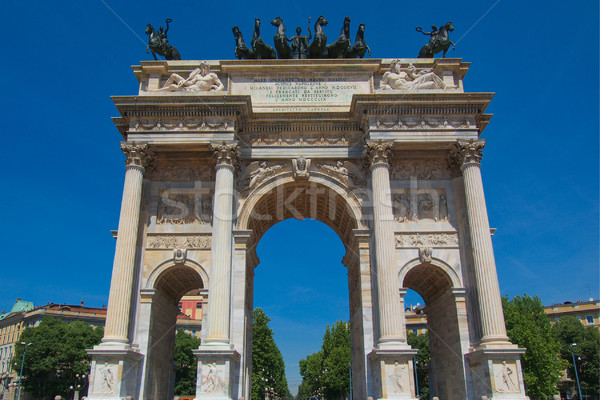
<point>261,49</point>
<point>425,254</point>
<point>439,41</point>
<point>505,379</point>
<point>199,80</point>
<point>300,43</point>
<point>443,208</point>
<point>301,168</point>
<point>241,50</point>
<point>425,203</point>
<point>212,382</point>
<point>283,48</point>
<point>401,208</point>
<point>317,48</point>
<point>257,172</point>
<point>339,48</point>
<point>158,43</point>
<point>108,378</point>
<point>396,378</point>
<point>409,79</point>
<point>346,172</point>
<point>360,45</point>
<point>176,208</point>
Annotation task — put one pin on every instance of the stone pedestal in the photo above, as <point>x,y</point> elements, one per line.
<point>215,378</point>
<point>394,373</point>
<point>497,374</point>
<point>114,374</point>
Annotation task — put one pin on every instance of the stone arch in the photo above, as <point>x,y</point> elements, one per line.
<point>440,287</point>
<point>172,278</point>
<point>428,277</point>
<point>165,286</point>
<point>337,206</point>
<point>332,199</point>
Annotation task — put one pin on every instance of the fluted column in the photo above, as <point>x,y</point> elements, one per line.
<point>466,156</point>
<point>391,315</point>
<point>138,157</point>
<point>227,159</point>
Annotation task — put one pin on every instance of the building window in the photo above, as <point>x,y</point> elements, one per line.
<point>198,306</point>
<point>589,319</point>
<point>180,304</point>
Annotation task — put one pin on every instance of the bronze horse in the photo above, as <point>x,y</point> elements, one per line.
<point>284,50</point>
<point>360,45</point>
<point>317,48</point>
<point>158,44</point>
<point>241,50</point>
<point>261,49</point>
<point>440,41</point>
<point>338,48</point>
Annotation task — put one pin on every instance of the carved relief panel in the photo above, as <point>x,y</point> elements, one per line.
<point>420,169</point>
<point>184,206</point>
<point>413,205</point>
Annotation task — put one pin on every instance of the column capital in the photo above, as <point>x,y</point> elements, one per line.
<point>226,154</point>
<point>379,152</point>
<point>465,152</point>
<point>138,155</point>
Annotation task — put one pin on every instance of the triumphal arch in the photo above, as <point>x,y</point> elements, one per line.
<point>385,152</point>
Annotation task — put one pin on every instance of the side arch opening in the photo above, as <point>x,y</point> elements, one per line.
<point>438,285</point>
<point>161,301</point>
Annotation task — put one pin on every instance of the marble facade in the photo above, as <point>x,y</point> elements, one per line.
<point>386,152</point>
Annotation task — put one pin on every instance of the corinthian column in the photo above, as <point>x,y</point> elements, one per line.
<point>119,302</point>
<point>391,315</point>
<point>227,160</point>
<point>466,156</point>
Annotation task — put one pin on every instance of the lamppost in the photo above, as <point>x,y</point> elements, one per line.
<point>78,386</point>
<point>575,367</point>
<point>350,375</point>
<point>21,372</point>
<point>417,376</point>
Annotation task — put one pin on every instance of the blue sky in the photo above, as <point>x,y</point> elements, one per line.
<point>63,171</point>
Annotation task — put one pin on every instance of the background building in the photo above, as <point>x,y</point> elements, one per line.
<point>23,315</point>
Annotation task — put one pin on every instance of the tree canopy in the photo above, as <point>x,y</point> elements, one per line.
<point>528,326</point>
<point>569,330</point>
<point>186,363</point>
<point>268,368</point>
<point>328,371</point>
<point>56,354</point>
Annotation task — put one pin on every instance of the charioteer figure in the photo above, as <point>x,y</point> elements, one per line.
<point>300,43</point>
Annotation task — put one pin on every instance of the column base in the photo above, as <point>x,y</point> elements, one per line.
<point>114,373</point>
<point>496,373</point>
<point>393,371</point>
<point>216,364</point>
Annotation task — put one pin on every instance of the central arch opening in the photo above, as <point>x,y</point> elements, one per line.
<point>302,285</point>
<point>303,232</point>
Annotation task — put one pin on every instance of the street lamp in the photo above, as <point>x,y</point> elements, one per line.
<point>21,373</point>
<point>350,375</point>
<point>417,376</point>
<point>575,367</point>
<point>77,387</point>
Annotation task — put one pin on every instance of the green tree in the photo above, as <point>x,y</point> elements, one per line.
<point>56,354</point>
<point>569,330</point>
<point>268,368</point>
<point>327,371</point>
<point>186,363</point>
<point>528,326</point>
<point>421,342</point>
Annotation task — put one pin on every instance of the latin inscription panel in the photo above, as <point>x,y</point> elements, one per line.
<point>301,92</point>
